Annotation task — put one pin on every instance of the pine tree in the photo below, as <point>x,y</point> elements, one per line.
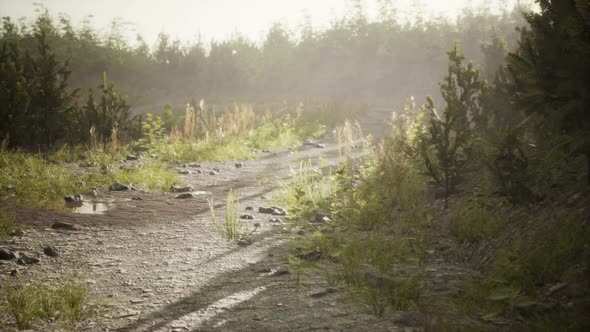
<point>110,112</point>
<point>52,100</point>
<point>445,146</point>
<point>14,87</point>
<point>551,72</point>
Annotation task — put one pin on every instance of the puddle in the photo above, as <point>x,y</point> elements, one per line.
<point>199,193</point>
<point>90,207</point>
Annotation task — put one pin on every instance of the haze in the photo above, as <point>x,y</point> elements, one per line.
<point>220,19</point>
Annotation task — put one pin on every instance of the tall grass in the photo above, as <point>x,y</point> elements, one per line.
<point>347,135</point>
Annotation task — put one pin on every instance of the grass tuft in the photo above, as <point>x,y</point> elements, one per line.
<point>28,303</point>
<point>232,229</point>
<point>7,224</point>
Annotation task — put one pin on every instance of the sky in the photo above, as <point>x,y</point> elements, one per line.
<point>209,20</point>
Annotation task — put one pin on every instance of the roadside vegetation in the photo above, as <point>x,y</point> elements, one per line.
<point>30,303</point>
<point>492,180</point>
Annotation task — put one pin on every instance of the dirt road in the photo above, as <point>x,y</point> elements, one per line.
<point>158,264</point>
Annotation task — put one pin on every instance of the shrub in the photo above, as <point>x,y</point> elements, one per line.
<point>445,147</point>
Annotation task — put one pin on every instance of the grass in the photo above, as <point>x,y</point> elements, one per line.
<point>275,134</point>
<point>31,179</point>
<point>43,180</point>
<point>7,224</point>
<point>475,222</point>
<point>354,243</point>
<point>152,174</point>
<point>531,261</point>
<point>205,150</point>
<point>232,228</point>
<point>306,190</point>
<point>373,243</point>
<point>28,303</point>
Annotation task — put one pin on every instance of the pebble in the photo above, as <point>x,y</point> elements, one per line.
<point>51,251</point>
<point>178,189</point>
<point>119,187</point>
<point>24,259</point>
<point>7,254</point>
<point>63,225</point>
<point>244,242</point>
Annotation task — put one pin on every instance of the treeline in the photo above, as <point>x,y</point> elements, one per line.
<point>353,58</point>
<point>54,86</point>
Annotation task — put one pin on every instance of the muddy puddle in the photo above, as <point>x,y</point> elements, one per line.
<point>91,207</point>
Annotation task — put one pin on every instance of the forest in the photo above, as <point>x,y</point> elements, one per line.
<point>377,174</point>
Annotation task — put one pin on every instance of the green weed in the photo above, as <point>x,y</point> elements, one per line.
<point>232,229</point>
<point>306,190</point>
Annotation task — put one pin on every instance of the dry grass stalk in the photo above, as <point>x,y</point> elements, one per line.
<point>346,136</point>
<point>175,135</point>
<point>5,142</point>
<point>189,123</point>
<point>93,138</point>
<point>114,145</point>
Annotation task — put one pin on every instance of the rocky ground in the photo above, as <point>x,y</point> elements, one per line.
<point>156,262</point>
